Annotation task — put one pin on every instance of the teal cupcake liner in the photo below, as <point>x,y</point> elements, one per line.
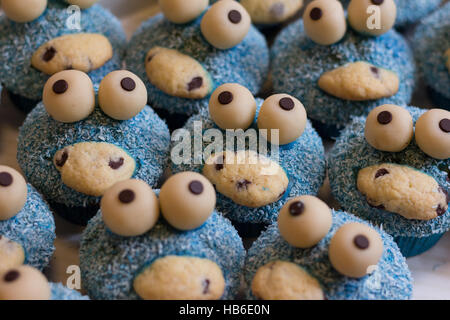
<point>413,246</point>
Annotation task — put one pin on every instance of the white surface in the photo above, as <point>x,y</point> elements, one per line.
<point>431,271</point>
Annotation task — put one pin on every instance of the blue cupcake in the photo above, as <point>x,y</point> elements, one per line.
<point>432,49</point>
<point>27,228</point>
<point>183,61</point>
<point>33,47</point>
<point>193,253</point>
<point>247,193</point>
<point>342,258</point>
<point>72,155</point>
<point>377,172</point>
<point>339,72</point>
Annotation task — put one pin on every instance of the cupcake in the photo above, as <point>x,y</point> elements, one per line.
<point>190,253</point>
<point>253,173</point>
<point>340,72</point>
<point>72,149</point>
<point>27,283</point>
<point>432,50</point>
<point>379,173</point>
<point>27,228</point>
<point>314,253</point>
<point>40,38</point>
<point>184,57</point>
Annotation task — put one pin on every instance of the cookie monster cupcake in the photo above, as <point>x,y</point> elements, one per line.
<point>432,49</point>
<point>39,38</point>
<point>27,283</point>
<point>72,149</point>
<point>314,253</point>
<point>339,72</point>
<point>378,172</point>
<point>128,252</point>
<point>27,228</point>
<point>183,57</point>
<point>277,156</point>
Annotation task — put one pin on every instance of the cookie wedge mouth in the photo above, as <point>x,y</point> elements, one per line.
<point>272,11</point>
<point>403,190</point>
<point>93,167</point>
<point>12,254</point>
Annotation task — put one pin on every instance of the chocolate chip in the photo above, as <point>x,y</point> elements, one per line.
<point>196,187</point>
<point>127,196</point>
<point>384,117</point>
<point>441,210</point>
<point>281,194</point>
<point>361,242</point>
<point>49,54</point>
<point>375,71</point>
<point>377,2</point>
<point>116,164</point>
<point>128,84</point>
<point>444,125</point>
<point>316,13</point>
<point>234,16</point>
<point>6,179</point>
<point>60,86</point>
<point>150,57</point>
<point>206,283</point>
<point>381,172</point>
<point>286,103</point>
<point>381,207</point>
<point>225,97</point>
<point>11,276</point>
<point>243,184</point>
<point>60,162</point>
<point>296,208</point>
<point>277,10</point>
<point>220,163</point>
<point>195,83</point>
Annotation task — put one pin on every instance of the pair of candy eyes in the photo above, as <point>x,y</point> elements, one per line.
<point>316,13</point>
<point>226,97</point>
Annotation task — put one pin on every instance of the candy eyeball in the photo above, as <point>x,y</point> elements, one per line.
<point>23,10</point>
<point>232,106</point>
<point>324,21</point>
<point>389,128</point>
<point>182,11</point>
<point>24,283</point>
<point>83,4</point>
<point>433,133</point>
<point>225,24</point>
<point>69,96</point>
<point>187,200</point>
<point>130,208</point>
<point>13,192</point>
<point>372,17</point>
<point>284,113</point>
<point>355,249</point>
<point>304,221</point>
<point>122,95</point>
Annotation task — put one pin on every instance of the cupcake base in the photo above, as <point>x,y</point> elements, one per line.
<point>412,246</point>
<point>76,215</point>
<point>23,104</point>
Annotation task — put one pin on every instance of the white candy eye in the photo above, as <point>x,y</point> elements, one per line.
<point>324,21</point>
<point>232,106</point>
<point>433,133</point>
<point>354,249</point>
<point>24,283</point>
<point>284,113</point>
<point>363,16</point>
<point>83,4</point>
<point>69,96</point>
<point>13,192</point>
<point>122,95</point>
<point>23,10</point>
<point>225,24</point>
<point>182,11</point>
<point>187,200</point>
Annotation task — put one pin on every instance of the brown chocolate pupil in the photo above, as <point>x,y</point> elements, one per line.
<point>196,187</point>
<point>127,196</point>
<point>296,208</point>
<point>128,84</point>
<point>60,86</point>
<point>316,13</point>
<point>384,117</point>
<point>6,179</point>
<point>444,125</point>
<point>225,97</point>
<point>234,16</point>
<point>361,242</point>
<point>286,104</point>
<point>377,2</point>
<point>11,276</point>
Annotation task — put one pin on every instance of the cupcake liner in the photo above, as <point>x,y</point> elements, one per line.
<point>413,246</point>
